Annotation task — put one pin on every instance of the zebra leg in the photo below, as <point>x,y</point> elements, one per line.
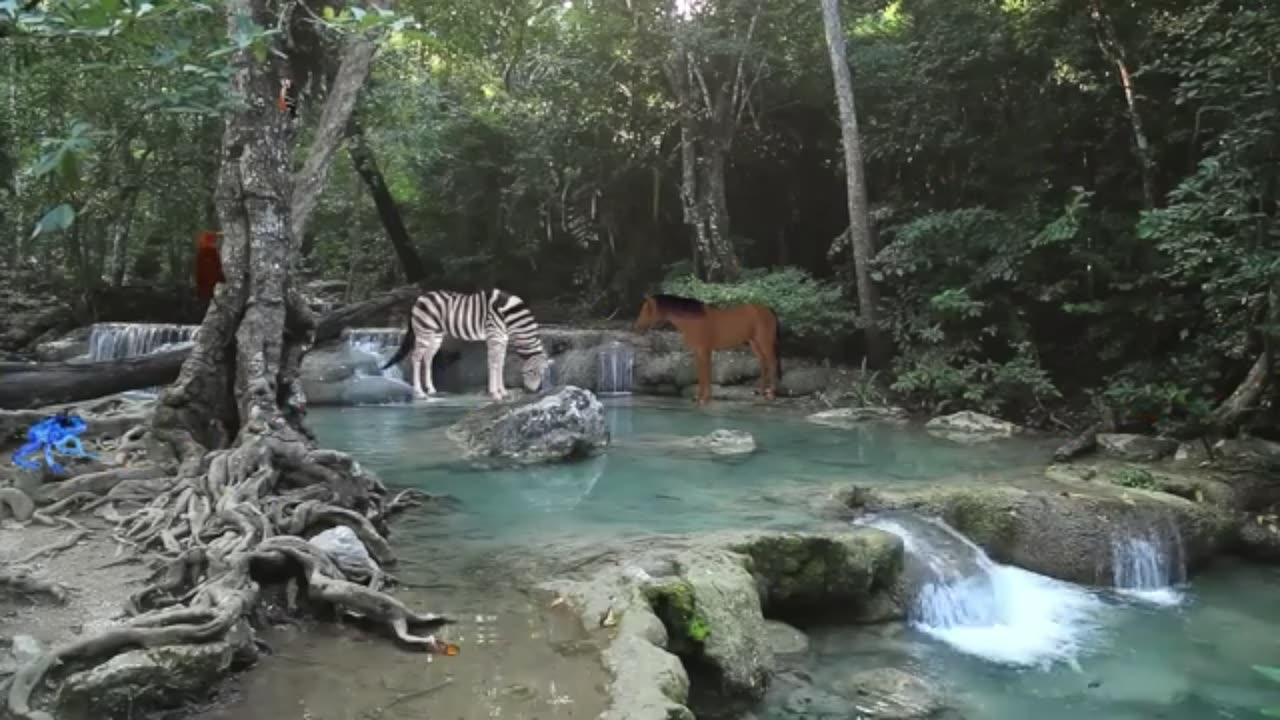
<point>430,345</point>
<point>497,358</point>
<point>415,359</point>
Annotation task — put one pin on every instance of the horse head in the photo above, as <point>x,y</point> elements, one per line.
<point>650,315</point>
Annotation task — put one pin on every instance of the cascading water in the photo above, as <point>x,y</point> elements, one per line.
<point>378,342</point>
<point>1149,565</point>
<point>617,362</point>
<point>996,612</point>
<point>116,341</point>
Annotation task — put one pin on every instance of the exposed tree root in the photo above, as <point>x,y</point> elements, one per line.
<point>20,581</point>
<point>222,533</point>
<point>53,547</point>
<point>16,504</point>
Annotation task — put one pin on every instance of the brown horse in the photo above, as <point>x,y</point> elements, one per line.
<point>707,328</point>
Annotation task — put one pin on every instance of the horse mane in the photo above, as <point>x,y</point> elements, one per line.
<point>677,305</point>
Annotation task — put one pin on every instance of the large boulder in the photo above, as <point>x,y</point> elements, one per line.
<point>702,598</point>
<point>1059,527</point>
<point>566,425</point>
<point>151,678</point>
<point>334,363</point>
<point>801,573</point>
<point>970,427</point>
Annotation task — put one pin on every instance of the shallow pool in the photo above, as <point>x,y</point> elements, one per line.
<point>646,482</point>
<point>1125,658</point>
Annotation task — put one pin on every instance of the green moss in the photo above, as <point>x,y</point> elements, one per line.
<point>676,606</point>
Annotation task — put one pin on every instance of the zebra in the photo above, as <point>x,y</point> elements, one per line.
<point>490,315</point>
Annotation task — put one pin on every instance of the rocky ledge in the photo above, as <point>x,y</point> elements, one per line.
<point>704,606</point>
<point>1062,524</point>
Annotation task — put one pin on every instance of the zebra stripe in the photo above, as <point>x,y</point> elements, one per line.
<point>475,316</point>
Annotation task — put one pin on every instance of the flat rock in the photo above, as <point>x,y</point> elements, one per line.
<point>852,417</point>
<point>1132,446</point>
<point>971,427</point>
<point>892,694</point>
<point>566,425</point>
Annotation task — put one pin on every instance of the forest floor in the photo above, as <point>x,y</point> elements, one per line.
<point>96,578</point>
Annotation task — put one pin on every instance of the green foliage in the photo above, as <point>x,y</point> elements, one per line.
<point>814,311</point>
<point>1136,477</point>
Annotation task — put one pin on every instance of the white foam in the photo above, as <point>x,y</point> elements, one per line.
<point>999,613</point>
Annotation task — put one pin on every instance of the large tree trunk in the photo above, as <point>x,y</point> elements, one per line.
<point>856,184</point>
<point>248,483</point>
<point>388,212</point>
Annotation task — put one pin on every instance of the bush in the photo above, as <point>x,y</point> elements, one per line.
<point>815,312</point>
<point>935,380</point>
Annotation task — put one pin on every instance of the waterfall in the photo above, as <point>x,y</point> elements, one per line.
<point>1000,613</point>
<point>115,341</point>
<point>1148,565</point>
<point>616,364</point>
<point>378,342</point>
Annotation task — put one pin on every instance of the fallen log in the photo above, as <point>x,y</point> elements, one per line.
<point>29,385</point>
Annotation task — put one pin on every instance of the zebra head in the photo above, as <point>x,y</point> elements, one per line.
<point>534,371</point>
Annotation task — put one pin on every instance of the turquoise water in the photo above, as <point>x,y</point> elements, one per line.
<point>1128,658</point>
<point>1140,661</point>
<point>645,482</point>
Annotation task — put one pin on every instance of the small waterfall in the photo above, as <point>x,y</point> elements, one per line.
<point>1150,564</point>
<point>116,341</point>
<point>996,612</point>
<point>381,343</point>
<point>616,364</point>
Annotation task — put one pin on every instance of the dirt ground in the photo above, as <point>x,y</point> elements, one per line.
<point>96,589</point>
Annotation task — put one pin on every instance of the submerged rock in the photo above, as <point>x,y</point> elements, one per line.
<point>852,417</point>
<point>892,694</point>
<point>784,639</point>
<point>1058,527</point>
<point>566,425</point>
<point>1136,447</point>
<point>971,427</point>
<point>725,442</point>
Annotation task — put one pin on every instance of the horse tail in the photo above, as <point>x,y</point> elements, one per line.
<point>405,345</point>
<point>777,344</point>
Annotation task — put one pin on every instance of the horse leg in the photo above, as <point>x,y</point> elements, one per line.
<point>702,362</point>
<point>769,367</point>
<point>759,353</point>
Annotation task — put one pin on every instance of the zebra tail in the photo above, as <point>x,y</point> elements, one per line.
<point>405,346</point>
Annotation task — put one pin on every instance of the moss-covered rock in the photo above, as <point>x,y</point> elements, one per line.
<point>1059,526</point>
<point>855,572</point>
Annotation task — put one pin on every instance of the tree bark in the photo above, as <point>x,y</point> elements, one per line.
<point>856,185</point>
<point>366,166</point>
<point>1113,50</point>
<point>120,238</point>
<point>1227,416</point>
<point>248,483</point>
